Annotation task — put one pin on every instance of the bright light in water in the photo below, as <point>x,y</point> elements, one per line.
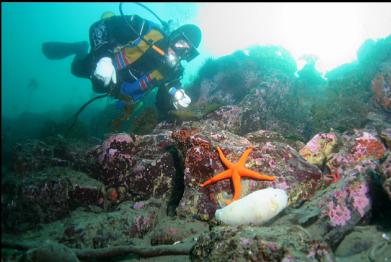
<point>332,32</point>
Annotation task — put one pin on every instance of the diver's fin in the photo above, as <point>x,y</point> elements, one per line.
<point>60,50</point>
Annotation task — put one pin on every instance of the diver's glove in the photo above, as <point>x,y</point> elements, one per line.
<point>137,88</point>
<point>105,71</point>
<point>180,97</point>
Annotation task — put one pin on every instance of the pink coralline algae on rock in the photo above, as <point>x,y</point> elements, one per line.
<point>339,215</point>
<point>343,204</point>
<point>358,193</point>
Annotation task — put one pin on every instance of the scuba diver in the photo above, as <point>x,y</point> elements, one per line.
<point>130,55</point>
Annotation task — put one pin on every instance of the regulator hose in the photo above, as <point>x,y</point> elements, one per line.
<point>164,24</point>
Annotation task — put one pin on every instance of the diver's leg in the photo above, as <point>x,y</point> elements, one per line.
<point>60,50</point>
<point>163,102</point>
<point>81,65</point>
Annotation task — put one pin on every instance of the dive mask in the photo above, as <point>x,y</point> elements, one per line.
<point>184,42</point>
<point>183,48</point>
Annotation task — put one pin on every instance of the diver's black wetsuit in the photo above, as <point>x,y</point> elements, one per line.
<point>141,53</point>
<point>107,34</point>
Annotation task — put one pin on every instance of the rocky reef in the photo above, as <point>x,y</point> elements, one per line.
<point>138,194</point>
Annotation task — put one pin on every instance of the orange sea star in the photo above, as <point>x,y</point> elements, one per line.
<point>235,171</point>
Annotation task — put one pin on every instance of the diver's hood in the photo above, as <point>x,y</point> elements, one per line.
<point>191,34</point>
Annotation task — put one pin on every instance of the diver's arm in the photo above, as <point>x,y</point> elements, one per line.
<point>100,40</point>
<point>172,86</point>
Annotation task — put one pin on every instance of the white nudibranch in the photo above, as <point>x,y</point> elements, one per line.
<point>255,208</point>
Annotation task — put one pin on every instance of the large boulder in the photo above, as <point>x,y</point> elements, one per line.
<point>332,213</point>
<point>266,106</point>
<point>135,167</point>
<point>34,155</point>
<point>359,150</point>
<point>46,196</point>
<point>318,150</point>
<point>299,178</point>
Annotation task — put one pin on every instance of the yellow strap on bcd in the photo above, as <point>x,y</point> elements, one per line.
<point>156,75</point>
<point>132,53</point>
